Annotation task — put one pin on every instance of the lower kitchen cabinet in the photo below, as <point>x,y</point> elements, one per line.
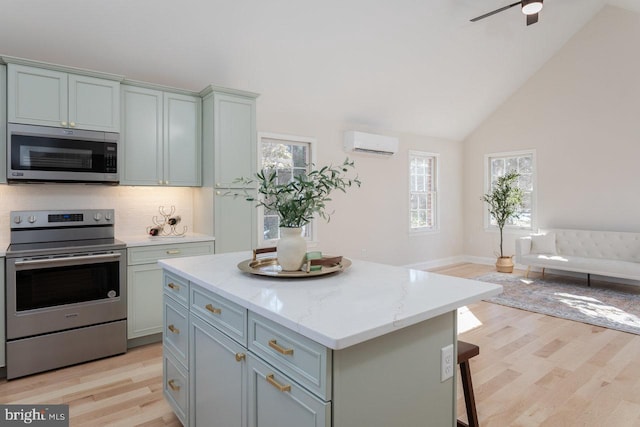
<point>245,370</point>
<point>144,283</point>
<point>217,377</point>
<point>3,337</point>
<point>276,400</point>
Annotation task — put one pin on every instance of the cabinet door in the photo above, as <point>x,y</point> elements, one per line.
<point>141,136</point>
<point>3,124</point>
<point>94,103</point>
<point>37,96</point>
<point>234,223</point>
<point>217,377</point>
<point>144,300</point>
<point>2,308</point>
<point>235,138</point>
<point>275,400</point>
<point>182,142</point>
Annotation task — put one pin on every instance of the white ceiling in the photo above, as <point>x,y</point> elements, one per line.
<point>416,66</point>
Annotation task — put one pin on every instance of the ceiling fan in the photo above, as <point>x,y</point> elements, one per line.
<point>530,8</point>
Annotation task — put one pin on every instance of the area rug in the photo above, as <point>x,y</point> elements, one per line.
<point>569,298</point>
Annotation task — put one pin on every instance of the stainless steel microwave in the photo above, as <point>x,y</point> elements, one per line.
<point>49,154</point>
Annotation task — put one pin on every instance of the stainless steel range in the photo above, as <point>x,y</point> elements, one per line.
<point>66,290</point>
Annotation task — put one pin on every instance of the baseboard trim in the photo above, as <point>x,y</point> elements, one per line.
<point>442,262</point>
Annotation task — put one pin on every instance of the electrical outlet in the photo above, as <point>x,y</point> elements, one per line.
<point>446,362</point>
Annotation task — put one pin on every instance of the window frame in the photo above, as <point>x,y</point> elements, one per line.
<point>487,184</point>
<point>435,212</point>
<point>286,139</point>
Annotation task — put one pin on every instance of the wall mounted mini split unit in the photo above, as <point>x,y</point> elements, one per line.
<point>370,143</point>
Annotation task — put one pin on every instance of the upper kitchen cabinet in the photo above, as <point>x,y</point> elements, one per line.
<point>3,123</point>
<point>234,129</point>
<point>160,140</point>
<point>50,97</point>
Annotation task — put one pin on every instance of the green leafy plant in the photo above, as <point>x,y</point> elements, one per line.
<point>504,200</point>
<point>305,195</point>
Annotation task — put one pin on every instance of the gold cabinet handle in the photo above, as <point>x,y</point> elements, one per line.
<point>213,309</point>
<point>173,329</point>
<point>172,385</point>
<point>240,357</point>
<point>286,351</point>
<point>174,286</point>
<point>173,252</point>
<point>276,384</point>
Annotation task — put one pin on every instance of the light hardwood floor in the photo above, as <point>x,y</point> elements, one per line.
<point>533,370</point>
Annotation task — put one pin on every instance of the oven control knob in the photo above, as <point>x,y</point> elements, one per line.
<point>31,219</point>
<point>97,216</point>
<point>107,216</point>
<point>17,219</point>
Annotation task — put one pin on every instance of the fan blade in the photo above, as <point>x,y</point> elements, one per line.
<point>532,19</point>
<point>486,15</point>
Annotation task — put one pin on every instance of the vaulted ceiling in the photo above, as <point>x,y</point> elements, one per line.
<point>406,65</point>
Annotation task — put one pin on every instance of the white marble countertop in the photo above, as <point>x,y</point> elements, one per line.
<point>339,310</point>
<point>146,240</point>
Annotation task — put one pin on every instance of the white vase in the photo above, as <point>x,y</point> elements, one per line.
<point>291,248</point>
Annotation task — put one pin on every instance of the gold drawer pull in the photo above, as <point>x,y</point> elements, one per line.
<point>172,385</point>
<point>173,252</point>
<point>240,357</point>
<point>276,384</point>
<point>173,286</point>
<point>173,329</point>
<point>286,351</point>
<point>213,309</point>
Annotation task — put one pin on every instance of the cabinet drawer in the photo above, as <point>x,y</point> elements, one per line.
<point>151,254</point>
<point>304,360</point>
<point>275,400</point>
<point>225,315</point>
<point>175,336</point>
<point>177,287</point>
<point>175,386</point>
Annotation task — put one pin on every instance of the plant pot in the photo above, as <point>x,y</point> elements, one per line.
<point>292,249</point>
<point>504,264</point>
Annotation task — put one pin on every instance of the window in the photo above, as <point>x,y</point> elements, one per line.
<point>423,191</point>
<point>522,162</point>
<point>289,156</point>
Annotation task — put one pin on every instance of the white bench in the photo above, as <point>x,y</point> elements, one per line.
<point>602,253</point>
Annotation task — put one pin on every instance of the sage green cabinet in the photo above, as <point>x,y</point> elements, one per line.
<point>3,124</point>
<point>144,284</point>
<point>229,151</point>
<point>217,377</point>
<point>2,316</point>
<point>46,97</point>
<point>160,141</point>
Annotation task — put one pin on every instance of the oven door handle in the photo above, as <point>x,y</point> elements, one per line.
<point>65,261</point>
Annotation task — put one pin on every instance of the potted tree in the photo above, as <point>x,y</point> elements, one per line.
<point>296,202</point>
<point>504,199</point>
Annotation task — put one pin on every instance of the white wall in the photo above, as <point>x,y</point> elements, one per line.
<point>581,113</point>
<point>372,222</point>
<point>134,206</point>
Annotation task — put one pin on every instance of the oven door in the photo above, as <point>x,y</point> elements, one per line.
<point>46,294</point>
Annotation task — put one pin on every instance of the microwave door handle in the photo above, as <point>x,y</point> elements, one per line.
<point>65,261</point>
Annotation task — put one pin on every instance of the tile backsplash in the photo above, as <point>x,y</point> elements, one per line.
<point>134,206</point>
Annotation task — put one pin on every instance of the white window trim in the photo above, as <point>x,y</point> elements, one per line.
<point>285,138</point>
<point>436,219</point>
<point>487,181</point>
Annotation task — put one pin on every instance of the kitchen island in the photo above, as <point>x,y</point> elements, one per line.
<point>358,347</point>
